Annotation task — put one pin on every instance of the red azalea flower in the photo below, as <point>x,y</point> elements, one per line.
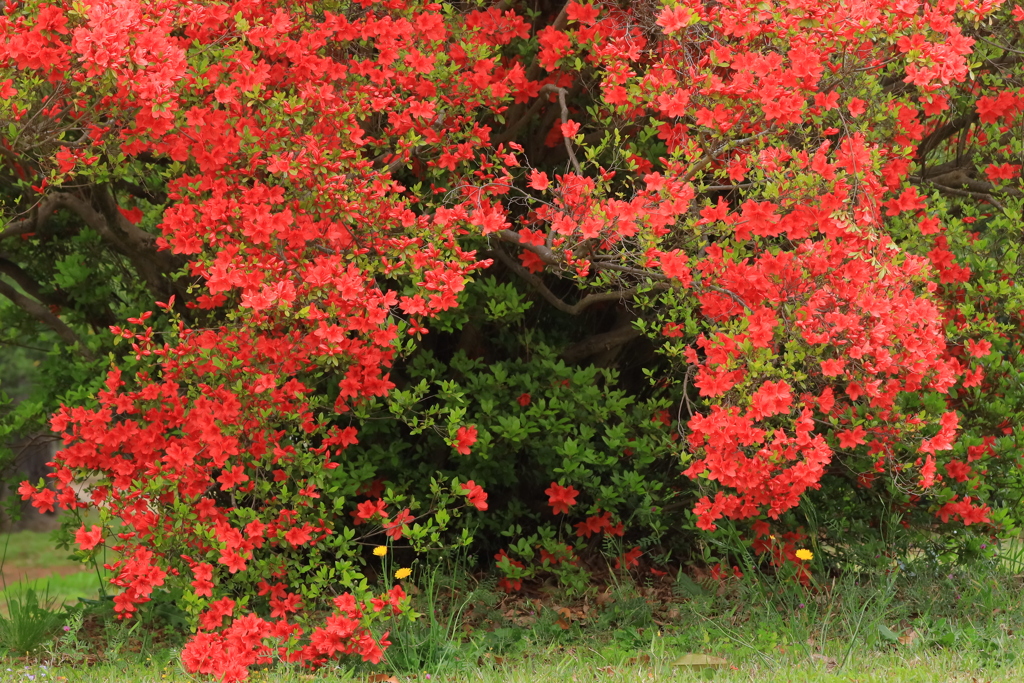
<point>475,494</point>
<point>464,438</point>
<point>561,498</point>
<point>87,540</point>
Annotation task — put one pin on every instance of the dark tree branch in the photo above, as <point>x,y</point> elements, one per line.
<point>7,342</point>
<point>45,316</point>
<point>599,343</point>
<point>546,255</point>
<point>944,132</point>
<point>967,193</point>
<point>100,317</point>
<point>40,216</point>
<point>154,196</point>
<point>23,226</point>
<point>510,132</point>
<point>25,281</point>
<point>536,148</point>
<point>572,309</point>
<point>601,265</point>
<point>959,178</point>
<point>953,183</point>
<point>942,169</point>
<point>153,267</point>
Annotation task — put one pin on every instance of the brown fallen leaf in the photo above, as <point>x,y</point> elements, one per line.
<point>381,678</point>
<point>488,657</point>
<point>701,662</point>
<point>829,662</point>
<point>908,637</point>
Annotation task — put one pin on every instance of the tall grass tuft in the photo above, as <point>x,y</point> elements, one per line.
<point>30,621</point>
<point>434,640</point>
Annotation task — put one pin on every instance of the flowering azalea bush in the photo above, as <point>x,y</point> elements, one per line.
<point>213,456</point>
<point>762,204</point>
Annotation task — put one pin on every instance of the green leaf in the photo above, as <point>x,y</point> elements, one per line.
<point>689,586</point>
<point>887,634</point>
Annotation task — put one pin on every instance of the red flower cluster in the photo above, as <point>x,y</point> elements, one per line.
<point>595,524</point>
<point>228,653</point>
<point>464,438</point>
<point>509,584</point>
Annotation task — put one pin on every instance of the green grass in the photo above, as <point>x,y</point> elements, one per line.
<point>68,588</point>
<point>31,561</point>
<point>958,627</point>
<point>27,550</point>
<point>925,622</point>
<point>584,666</point>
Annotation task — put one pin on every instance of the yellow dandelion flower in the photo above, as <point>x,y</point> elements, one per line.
<point>380,551</point>
<point>403,573</point>
<point>804,554</point>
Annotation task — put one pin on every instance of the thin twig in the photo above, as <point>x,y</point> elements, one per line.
<point>708,158</point>
<point>551,87</point>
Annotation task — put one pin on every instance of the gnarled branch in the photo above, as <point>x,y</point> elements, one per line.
<point>538,284</point>
<point>598,343</point>
<point>101,317</point>
<point>24,280</point>
<point>40,215</point>
<point>153,266</point>
<point>45,316</point>
<point>933,139</point>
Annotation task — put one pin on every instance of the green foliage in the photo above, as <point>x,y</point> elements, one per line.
<point>90,284</point>
<point>539,420</point>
